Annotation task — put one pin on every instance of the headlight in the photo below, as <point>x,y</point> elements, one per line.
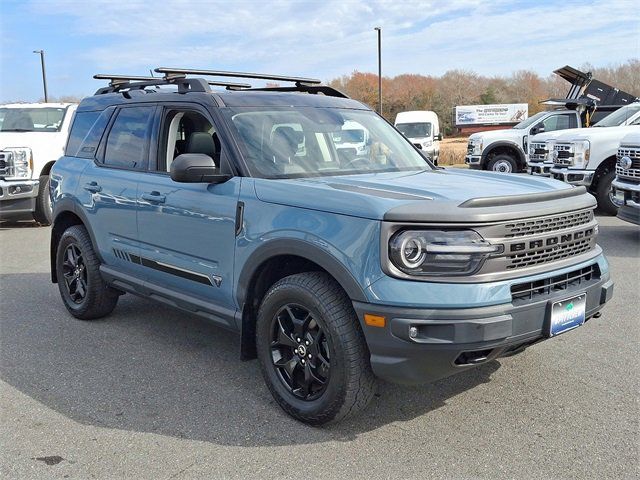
<point>439,252</point>
<point>581,151</point>
<point>477,146</point>
<point>22,161</point>
<point>427,143</point>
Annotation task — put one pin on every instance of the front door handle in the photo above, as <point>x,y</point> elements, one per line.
<point>92,187</point>
<point>153,197</point>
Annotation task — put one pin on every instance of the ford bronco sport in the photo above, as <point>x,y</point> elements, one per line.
<point>335,266</point>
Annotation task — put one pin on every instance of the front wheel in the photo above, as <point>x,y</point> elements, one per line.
<point>82,288</point>
<point>605,195</point>
<point>311,350</point>
<point>43,213</point>
<point>503,164</point>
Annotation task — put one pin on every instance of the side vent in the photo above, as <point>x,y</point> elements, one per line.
<point>122,255</point>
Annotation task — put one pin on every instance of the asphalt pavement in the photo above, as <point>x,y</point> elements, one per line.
<point>152,392</point>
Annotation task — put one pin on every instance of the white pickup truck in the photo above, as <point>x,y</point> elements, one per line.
<point>587,156</point>
<point>32,138</point>
<point>540,162</point>
<point>626,186</point>
<point>504,150</point>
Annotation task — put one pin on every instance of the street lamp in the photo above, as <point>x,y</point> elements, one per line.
<point>379,30</point>
<point>44,75</point>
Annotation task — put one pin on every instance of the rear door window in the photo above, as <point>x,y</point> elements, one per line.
<point>129,138</point>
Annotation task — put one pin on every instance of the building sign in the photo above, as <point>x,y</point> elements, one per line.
<point>507,113</point>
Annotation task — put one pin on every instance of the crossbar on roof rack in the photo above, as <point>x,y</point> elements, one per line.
<point>119,79</point>
<point>218,73</point>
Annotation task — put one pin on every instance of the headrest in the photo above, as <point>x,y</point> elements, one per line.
<point>284,142</point>
<point>201,142</point>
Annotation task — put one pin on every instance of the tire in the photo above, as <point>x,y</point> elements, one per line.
<point>503,164</point>
<point>603,194</point>
<point>99,299</point>
<point>334,349</point>
<point>43,213</point>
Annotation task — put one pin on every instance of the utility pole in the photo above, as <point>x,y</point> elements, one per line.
<point>44,74</point>
<point>379,30</point>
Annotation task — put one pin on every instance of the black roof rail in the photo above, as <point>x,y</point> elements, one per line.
<point>119,83</point>
<point>299,81</point>
<point>314,89</point>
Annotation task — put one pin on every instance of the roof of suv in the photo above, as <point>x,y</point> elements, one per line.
<point>307,92</point>
<point>232,98</point>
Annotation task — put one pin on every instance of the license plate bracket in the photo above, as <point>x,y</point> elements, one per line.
<point>566,314</point>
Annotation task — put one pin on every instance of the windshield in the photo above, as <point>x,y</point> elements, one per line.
<point>31,119</point>
<point>415,130</point>
<point>530,121</point>
<point>619,116</point>
<point>307,142</point>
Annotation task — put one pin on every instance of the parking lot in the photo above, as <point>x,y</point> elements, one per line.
<point>151,392</point>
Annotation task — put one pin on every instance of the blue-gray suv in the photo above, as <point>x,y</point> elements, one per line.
<point>335,265</point>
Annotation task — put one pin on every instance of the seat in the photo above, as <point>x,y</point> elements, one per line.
<point>284,144</point>
<point>202,142</point>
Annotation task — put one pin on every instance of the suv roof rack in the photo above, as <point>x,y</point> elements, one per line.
<point>176,76</point>
<point>119,83</point>
<point>299,81</point>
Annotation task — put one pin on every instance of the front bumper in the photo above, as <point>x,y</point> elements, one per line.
<point>473,161</point>
<point>573,176</point>
<point>17,197</point>
<point>540,169</point>
<point>629,206</point>
<point>453,340</point>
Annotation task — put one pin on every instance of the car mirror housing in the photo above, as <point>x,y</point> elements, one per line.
<point>196,168</point>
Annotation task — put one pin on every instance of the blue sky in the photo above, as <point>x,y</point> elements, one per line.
<point>323,39</point>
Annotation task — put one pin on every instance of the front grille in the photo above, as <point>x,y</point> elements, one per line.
<point>548,254</point>
<point>6,165</point>
<point>634,170</point>
<point>539,241</point>
<point>562,154</point>
<point>577,279</point>
<point>548,224</point>
<point>539,152</point>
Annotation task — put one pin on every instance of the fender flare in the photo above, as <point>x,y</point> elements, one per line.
<point>303,249</point>
<point>63,206</point>
<point>504,143</point>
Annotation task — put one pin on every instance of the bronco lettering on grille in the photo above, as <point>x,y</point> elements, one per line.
<point>551,241</point>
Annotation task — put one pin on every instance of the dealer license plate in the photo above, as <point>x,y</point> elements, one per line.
<point>567,314</point>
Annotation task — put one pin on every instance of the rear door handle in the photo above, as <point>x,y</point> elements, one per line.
<point>92,187</point>
<point>153,197</point>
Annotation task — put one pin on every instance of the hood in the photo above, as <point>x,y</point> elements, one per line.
<point>373,195</point>
<point>45,146</point>
<point>597,133</point>
<point>512,134</point>
<point>543,137</point>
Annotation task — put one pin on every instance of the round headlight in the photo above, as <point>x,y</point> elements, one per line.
<point>412,251</point>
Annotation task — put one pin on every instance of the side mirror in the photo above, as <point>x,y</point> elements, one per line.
<point>439,136</point>
<point>537,129</point>
<point>196,168</point>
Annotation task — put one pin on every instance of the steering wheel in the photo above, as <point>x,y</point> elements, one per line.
<point>355,161</point>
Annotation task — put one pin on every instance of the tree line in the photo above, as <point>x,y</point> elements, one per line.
<point>463,87</point>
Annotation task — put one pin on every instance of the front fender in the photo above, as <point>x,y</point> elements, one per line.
<point>504,143</point>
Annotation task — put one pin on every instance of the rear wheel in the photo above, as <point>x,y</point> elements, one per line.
<point>43,213</point>
<point>503,163</point>
<point>312,353</point>
<point>83,291</point>
<point>605,195</point>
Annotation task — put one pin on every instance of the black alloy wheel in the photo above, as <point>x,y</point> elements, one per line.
<point>75,273</point>
<point>300,352</point>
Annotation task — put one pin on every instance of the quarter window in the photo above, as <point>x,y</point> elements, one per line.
<point>128,142</point>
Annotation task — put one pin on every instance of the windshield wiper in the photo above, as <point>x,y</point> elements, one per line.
<point>16,130</point>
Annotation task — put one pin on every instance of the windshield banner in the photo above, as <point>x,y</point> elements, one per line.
<point>507,113</point>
